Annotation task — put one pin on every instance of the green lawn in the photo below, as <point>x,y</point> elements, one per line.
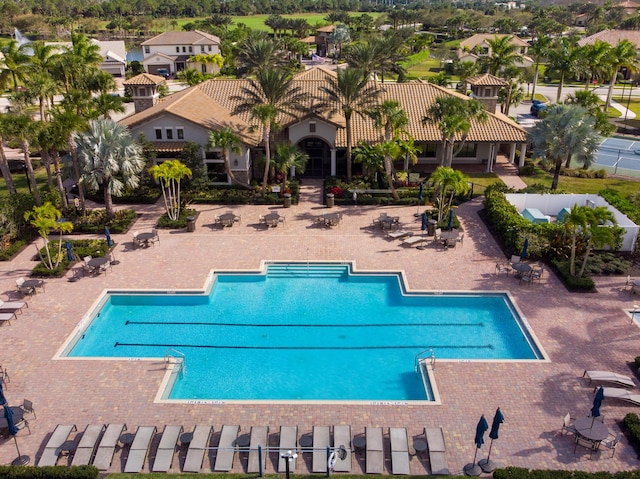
<point>584,185</point>
<point>20,180</point>
<point>421,65</point>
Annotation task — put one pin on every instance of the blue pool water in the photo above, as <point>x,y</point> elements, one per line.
<point>305,332</point>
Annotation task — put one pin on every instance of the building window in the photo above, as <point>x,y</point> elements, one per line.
<point>180,133</point>
<point>203,67</point>
<point>213,155</point>
<point>428,150</point>
<point>158,133</point>
<point>147,49</point>
<point>184,49</point>
<point>169,133</point>
<point>190,49</point>
<point>202,48</point>
<point>216,172</point>
<point>469,150</point>
<point>177,49</point>
<point>312,127</point>
<point>210,49</point>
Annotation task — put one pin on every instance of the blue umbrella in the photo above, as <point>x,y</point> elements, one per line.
<point>108,235</point>
<point>67,244</point>
<point>525,246</point>
<point>450,224</point>
<point>424,222</point>
<point>473,469</point>
<point>487,464</point>
<point>597,402</point>
<point>13,430</point>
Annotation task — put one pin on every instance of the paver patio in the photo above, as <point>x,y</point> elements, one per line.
<point>577,331</point>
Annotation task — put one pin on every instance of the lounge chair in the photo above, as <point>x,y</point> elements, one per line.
<point>437,450</point>
<point>166,448</point>
<point>413,240</point>
<point>622,394</point>
<point>87,445</point>
<point>374,452</point>
<point>399,234</point>
<point>321,441</point>
<point>288,442</point>
<point>7,317</point>
<point>609,377</point>
<point>107,446</point>
<point>342,440</point>
<point>12,306</point>
<point>226,448</point>
<point>139,448</point>
<point>399,450</point>
<point>258,449</point>
<point>52,449</point>
<point>197,447</point>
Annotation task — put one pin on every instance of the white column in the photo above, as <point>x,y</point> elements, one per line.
<point>491,159</point>
<point>523,151</point>
<point>512,153</point>
<point>333,162</point>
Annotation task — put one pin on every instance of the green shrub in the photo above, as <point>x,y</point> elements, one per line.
<point>573,283</point>
<point>181,222</point>
<point>81,248</point>
<point>637,362</point>
<point>623,205</point>
<point>48,472</point>
<point>15,246</point>
<point>94,221</point>
<point>145,194</point>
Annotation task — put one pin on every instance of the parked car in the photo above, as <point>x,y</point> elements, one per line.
<point>536,107</point>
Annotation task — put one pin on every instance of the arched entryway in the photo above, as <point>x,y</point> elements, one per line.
<point>319,151</point>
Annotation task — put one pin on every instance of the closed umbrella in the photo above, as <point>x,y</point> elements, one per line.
<point>525,246</point>
<point>67,245</point>
<point>423,226</point>
<point>597,402</point>
<point>473,469</point>
<point>108,236</point>
<point>13,430</point>
<point>487,464</point>
<point>450,223</point>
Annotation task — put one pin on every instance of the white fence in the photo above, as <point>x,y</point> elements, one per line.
<point>551,205</point>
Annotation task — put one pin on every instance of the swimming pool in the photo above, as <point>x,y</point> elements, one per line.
<point>303,332</point>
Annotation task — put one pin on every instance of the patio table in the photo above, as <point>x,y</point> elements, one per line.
<point>332,219</point>
<point>272,219</point>
<point>97,263</point>
<point>34,283</point>
<point>227,219</point>
<point>18,414</point>
<point>145,238</point>
<point>521,268</point>
<point>591,428</point>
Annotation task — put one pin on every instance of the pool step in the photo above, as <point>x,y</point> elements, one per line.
<point>310,271</point>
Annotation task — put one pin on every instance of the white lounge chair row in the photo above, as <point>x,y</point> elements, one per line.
<point>98,443</point>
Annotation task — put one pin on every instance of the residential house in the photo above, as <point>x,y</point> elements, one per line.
<point>113,53</point>
<point>613,37</point>
<point>474,48</point>
<point>191,114</point>
<point>320,41</point>
<point>172,52</point>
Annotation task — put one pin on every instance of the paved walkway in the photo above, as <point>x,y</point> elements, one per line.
<point>577,331</point>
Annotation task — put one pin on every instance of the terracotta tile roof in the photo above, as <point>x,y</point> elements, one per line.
<point>168,146</point>
<point>480,38</point>
<point>144,79</point>
<point>210,104</point>
<point>612,37</point>
<point>327,29</point>
<point>195,37</point>
<point>627,4</point>
<point>486,79</point>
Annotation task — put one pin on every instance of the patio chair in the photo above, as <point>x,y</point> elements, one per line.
<point>166,448</point>
<point>611,442</point>
<point>342,441</point>
<point>52,449</point>
<point>288,442</point>
<point>437,234</point>
<point>155,238</point>
<point>437,450</point>
<point>258,442</point>
<point>226,448</point>
<point>4,376</point>
<point>567,424</point>
<point>536,273</point>
<point>399,450</point>
<point>22,289</point>
<point>515,258</point>
<point>197,447</point>
<point>527,278</point>
<point>87,445</point>
<point>139,448</point>
<point>136,241</point>
<point>12,306</point>
<point>374,457</point>
<point>502,268</point>
<point>609,377</point>
<point>586,443</point>
<point>27,408</point>
<point>107,446</point>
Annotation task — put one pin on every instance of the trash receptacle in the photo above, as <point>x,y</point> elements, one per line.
<point>287,200</point>
<point>191,224</point>
<point>431,227</point>
<point>330,200</point>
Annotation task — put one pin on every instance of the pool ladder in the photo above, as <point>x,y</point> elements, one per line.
<point>173,356</point>
<point>421,357</point>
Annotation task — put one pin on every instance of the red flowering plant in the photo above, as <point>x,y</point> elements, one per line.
<point>337,191</point>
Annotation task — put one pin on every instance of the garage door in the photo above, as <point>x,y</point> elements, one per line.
<point>153,69</point>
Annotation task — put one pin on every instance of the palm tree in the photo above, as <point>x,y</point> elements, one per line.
<point>596,59</point>
<point>466,70</point>
<point>4,164</point>
<point>448,183</point>
<point>371,158</point>
<point>268,96</point>
<point>23,129</point>
<point>228,142</point>
<point>105,103</point>
<point>453,116</point>
<point>566,132</point>
<point>504,54</point>
<point>14,64</point>
<point>624,54</point>
<point>170,173</point>
<point>392,118</point>
<point>350,92</point>
<point>287,157</point>
<point>538,50</point>
<point>563,57</point>
<point>46,218</point>
<point>110,158</point>
<point>591,102</point>
<point>258,53</point>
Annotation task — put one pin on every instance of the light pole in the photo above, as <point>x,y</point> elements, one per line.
<point>628,103</point>
<point>289,456</point>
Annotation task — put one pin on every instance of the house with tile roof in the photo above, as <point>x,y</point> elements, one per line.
<point>172,51</point>
<point>321,42</point>
<point>113,53</point>
<point>476,47</point>
<point>612,37</point>
<point>190,114</point>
